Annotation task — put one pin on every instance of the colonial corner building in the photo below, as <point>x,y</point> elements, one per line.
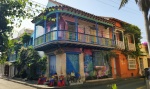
<point>90,45</point>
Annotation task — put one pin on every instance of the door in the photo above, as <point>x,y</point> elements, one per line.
<point>72,63</point>
<point>6,72</point>
<point>117,66</point>
<point>52,65</point>
<point>141,66</point>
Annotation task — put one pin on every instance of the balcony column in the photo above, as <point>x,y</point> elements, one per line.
<point>57,24</point>
<point>97,33</point>
<point>34,35</point>
<point>45,29</point>
<point>113,36</point>
<point>76,24</point>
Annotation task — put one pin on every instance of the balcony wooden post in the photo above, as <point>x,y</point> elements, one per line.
<point>97,33</point>
<point>57,24</point>
<point>45,30</point>
<point>113,36</point>
<point>76,24</point>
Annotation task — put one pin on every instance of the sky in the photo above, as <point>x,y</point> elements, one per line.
<point>130,13</point>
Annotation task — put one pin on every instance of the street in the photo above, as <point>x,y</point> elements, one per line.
<point>5,84</point>
<point>137,83</point>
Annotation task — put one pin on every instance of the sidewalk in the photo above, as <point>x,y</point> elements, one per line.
<point>29,83</point>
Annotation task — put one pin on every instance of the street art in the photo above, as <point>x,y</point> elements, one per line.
<point>88,65</point>
<point>101,66</point>
<point>72,63</point>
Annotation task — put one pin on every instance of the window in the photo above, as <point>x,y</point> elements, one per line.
<point>131,62</point>
<point>71,26</point>
<point>130,38</point>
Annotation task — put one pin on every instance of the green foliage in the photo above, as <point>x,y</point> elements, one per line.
<point>132,29</point>
<point>12,12</point>
<point>25,38</point>
<point>29,60</point>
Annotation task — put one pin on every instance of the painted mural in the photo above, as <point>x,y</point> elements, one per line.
<point>88,65</point>
<point>72,63</point>
<point>101,65</point>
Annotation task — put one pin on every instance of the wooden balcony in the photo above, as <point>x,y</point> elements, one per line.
<point>131,47</point>
<point>73,38</point>
<point>120,45</point>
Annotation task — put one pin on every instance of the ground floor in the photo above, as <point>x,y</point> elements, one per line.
<point>90,63</point>
<point>124,66</point>
<point>144,62</point>
<point>7,69</point>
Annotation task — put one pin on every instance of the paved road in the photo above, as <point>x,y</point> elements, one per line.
<point>123,84</point>
<point>4,84</point>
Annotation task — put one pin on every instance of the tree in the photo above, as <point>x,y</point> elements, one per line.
<point>144,6</point>
<point>12,12</point>
<point>25,38</point>
<point>30,61</point>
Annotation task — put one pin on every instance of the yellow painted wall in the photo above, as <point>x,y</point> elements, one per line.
<point>81,66</point>
<point>61,64</point>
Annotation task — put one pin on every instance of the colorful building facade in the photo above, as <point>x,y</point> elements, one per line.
<point>143,59</point>
<point>124,66</point>
<point>74,40</point>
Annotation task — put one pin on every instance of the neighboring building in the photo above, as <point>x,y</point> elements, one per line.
<point>25,30</point>
<point>144,59</point>
<point>9,68</point>
<point>123,66</point>
<point>74,41</point>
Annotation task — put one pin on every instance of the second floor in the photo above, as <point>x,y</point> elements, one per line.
<point>68,26</point>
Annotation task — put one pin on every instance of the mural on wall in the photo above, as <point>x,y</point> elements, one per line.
<point>72,63</point>
<point>88,65</point>
<point>101,65</point>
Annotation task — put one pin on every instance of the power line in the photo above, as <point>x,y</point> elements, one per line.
<point>116,7</point>
<point>125,7</point>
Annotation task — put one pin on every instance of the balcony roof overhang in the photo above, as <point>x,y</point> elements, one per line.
<point>73,12</point>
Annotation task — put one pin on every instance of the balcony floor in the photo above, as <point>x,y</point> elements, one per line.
<point>74,44</point>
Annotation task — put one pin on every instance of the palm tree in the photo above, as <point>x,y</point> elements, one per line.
<point>144,6</point>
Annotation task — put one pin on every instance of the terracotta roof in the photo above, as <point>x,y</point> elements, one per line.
<point>72,9</point>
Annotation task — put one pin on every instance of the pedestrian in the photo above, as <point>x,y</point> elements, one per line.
<point>55,79</point>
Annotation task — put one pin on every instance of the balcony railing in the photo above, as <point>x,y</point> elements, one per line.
<point>64,35</point>
<point>131,46</point>
<point>120,44</point>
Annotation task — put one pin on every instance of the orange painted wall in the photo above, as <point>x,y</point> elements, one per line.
<point>117,24</point>
<point>123,71</point>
